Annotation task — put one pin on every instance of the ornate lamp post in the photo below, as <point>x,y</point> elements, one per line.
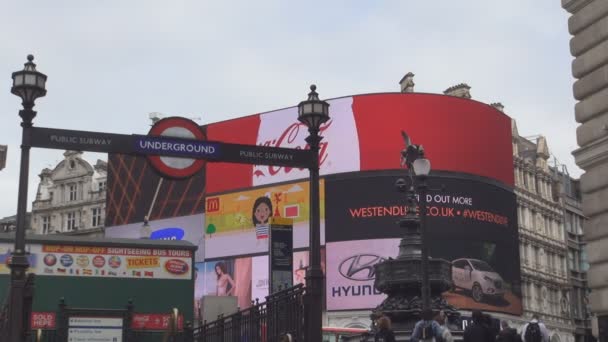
<point>313,113</point>
<point>413,281</point>
<point>29,85</point>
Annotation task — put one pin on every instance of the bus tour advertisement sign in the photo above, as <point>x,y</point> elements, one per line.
<point>471,223</point>
<point>119,262</point>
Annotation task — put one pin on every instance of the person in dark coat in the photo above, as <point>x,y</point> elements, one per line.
<point>478,331</point>
<point>384,333</point>
<point>507,334</point>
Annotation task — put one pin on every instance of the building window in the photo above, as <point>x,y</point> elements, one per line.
<point>584,261</point>
<point>70,223</point>
<point>569,223</point>
<point>46,224</point>
<point>102,186</point>
<point>571,260</point>
<point>96,217</point>
<point>73,190</point>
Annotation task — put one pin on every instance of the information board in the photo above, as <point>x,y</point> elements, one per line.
<point>95,329</point>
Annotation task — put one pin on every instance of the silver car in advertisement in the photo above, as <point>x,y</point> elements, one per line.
<point>477,278</point>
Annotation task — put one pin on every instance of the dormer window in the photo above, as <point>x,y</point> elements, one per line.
<point>72,164</point>
<point>73,188</point>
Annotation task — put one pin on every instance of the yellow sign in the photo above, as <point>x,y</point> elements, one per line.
<point>143,262</point>
<point>245,210</point>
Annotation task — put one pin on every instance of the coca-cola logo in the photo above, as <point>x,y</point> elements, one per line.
<point>293,135</point>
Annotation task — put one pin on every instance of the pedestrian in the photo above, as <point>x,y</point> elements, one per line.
<point>478,331</point>
<point>489,324</point>
<point>384,332</point>
<point>535,331</point>
<point>426,329</point>
<point>507,334</point>
<point>446,334</point>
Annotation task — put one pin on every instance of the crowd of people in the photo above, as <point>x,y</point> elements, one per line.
<point>432,327</point>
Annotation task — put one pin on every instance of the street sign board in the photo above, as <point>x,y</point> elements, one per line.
<point>95,329</point>
<point>176,147</point>
<point>281,253</point>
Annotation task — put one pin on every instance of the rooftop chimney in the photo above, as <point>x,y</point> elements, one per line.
<point>498,106</point>
<point>459,90</point>
<point>407,83</point>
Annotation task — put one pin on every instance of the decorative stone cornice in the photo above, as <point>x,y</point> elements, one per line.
<point>499,106</point>
<point>459,90</point>
<point>407,83</point>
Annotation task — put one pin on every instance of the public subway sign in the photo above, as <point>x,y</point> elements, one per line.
<point>176,147</point>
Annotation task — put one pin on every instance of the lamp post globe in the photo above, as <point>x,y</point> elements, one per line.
<point>313,112</point>
<point>422,167</point>
<point>29,84</point>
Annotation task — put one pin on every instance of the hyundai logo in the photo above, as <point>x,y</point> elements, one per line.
<point>359,267</point>
<point>167,234</point>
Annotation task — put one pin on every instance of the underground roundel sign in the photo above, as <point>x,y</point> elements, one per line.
<point>176,127</point>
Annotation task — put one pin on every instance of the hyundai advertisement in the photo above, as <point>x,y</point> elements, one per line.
<point>470,222</point>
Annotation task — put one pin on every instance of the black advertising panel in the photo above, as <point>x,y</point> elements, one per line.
<point>470,221</point>
<point>281,253</point>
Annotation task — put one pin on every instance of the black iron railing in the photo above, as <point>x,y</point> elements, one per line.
<point>282,313</point>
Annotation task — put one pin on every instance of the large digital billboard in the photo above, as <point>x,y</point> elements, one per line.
<point>364,134</point>
<point>470,222</point>
<point>237,223</point>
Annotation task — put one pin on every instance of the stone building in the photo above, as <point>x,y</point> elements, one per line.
<point>568,189</point>
<point>71,198</point>
<point>589,45</point>
<point>9,224</point>
<point>542,238</point>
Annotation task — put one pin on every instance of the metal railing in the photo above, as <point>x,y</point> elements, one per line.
<point>282,313</point>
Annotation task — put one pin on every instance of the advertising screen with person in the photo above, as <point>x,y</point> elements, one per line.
<point>238,223</point>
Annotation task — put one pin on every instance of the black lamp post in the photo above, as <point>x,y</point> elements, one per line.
<point>421,168</point>
<point>313,113</point>
<point>29,85</point>
<point>418,168</point>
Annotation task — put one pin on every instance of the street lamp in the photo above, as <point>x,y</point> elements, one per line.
<point>422,167</point>
<point>313,113</point>
<point>28,84</point>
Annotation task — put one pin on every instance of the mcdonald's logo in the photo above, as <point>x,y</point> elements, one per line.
<point>213,204</point>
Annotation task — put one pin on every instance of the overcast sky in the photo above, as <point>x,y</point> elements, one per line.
<point>111,63</point>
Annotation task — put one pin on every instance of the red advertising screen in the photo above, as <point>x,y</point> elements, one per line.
<point>364,133</point>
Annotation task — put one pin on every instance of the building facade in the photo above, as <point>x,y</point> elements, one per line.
<point>589,45</point>
<point>568,189</point>
<point>546,285</point>
<point>71,198</point>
